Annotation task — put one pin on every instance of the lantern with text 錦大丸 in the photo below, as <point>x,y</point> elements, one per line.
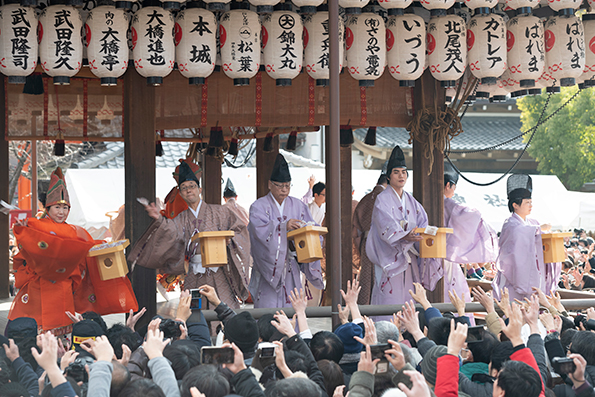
<point>365,41</point>
<point>447,48</point>
<point>317,46</point>
<point>564,48</point>
<point>486,46</point>
<point>18,42</point>
<point>526,49</point>
<point>405,46</point>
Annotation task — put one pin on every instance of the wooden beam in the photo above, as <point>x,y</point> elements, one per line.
<point>346,197</point>
<point>139,172</point>
<point>4,190</point>
<point>211,191</point>
<point>264,165</point>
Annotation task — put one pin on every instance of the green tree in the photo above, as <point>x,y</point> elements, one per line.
<point>565,144</point>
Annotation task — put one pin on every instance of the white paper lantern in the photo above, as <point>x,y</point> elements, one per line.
<point>447,48</point>
<point>107,44</point>
<point>308,6</point>
<point>282,43</point>
<point>172,5</point>
<point>568,5</point>
<point>365,40</point>
<point>521,4</point>
<point>392,4</point>
<point>239,42</point>
<point>153,47</point>
<point>60,42</point>
<point>216,5</point>
<point>495,92</point>
<point>264,6</point>
<point>526,49</point>
<point>196,43</point>
<point>406,48</point>
<point>353,6</point>
<point>316,46</point>
<point>486,47</point>
<point>437,5</point>
<point>18,42</point>
<point>512,85</point>
<point>565,48</point>
<point>474,4</point>
<point>589,33</point>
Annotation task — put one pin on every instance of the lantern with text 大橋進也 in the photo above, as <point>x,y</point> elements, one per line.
<point>447,48</point>
<point>405,46</point>
<point>365,41</point>
<point>18,42</point>
<point>486,46</point>
<point>196,43</point>
<point>589,33</point>
<point>564,48</point>
<point>107,43</point>
<point>317,46</point>
<point>526,49</point>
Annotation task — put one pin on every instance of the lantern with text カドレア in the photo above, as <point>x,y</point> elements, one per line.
<point>589,34</point>
<point>447,48</point>
<point>526,49</point>
<point>365,41</point>
<point>405,46</point>
<point>317,46</point>
<point>18,42</point>
<point>564,48</point>
<point>486,46</point>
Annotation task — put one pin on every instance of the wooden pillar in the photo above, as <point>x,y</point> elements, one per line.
<point>139,171</point>
<point>346,197</point>
<point>264,165</point>
<point>429,189</point>
<point>211,189</point>
<point>4,257</point>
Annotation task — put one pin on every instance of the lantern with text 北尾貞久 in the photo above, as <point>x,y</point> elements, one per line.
<point>18,42</point>
<point>308,6</point>
<point>405,46</point>
<point>316,46</point>
<point>447,48</point>
<point>437,7</point>
<point>395,5</point>
<point>283,47</point>
<point>196,43</point>
<point>589,34</point>
<point>239,42</point>
<point>107,44</point>
<point>153,48</point>
<point>60,42</point>
<point>486,46</point>
<point>564,48</point>
<point>526,49</point>
<point>365,41</point>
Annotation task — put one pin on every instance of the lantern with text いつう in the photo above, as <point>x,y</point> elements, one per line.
<point>196,43</point>
<point>239,42</point>
<point>486,47</point>
<point>316,46</point>
<point>265,6</point>
<point>153,47</point>
<point>60,42</point>
<point>365,40</point>
<point>18,42</point>
<point>107,44</point>
<point>395,4</point>
<point>308,6</point>
<point>589,34</point>
<point>406,47</point>
<point>437,7</point>
<point>564,48</point>
<point>447,48</point>
<point>475,4</point>
<point>353,6</point>
<point>526,52</point>
<point>283,47</point>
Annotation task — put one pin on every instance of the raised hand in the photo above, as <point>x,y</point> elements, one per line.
<point>100,348</point>
<point>133,318</point>
<point>420,296</point>
<point>483,298</point>
<point>210,293</point>
<point>238,359</point>
<point>343,313</point>
<point>515,323</point>
<point>370,333</point>
<point>395,355</point>
<point>504,303</point>
<point>155,344</point>
<point>365,362</point>
<point>457,338</point>
<point>409,318</point>
<point>282,324</point>
<point>459,303</point>
<point>298,300</point>
<point>420,387</point>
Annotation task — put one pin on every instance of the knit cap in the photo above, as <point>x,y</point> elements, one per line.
<point>429,365</point>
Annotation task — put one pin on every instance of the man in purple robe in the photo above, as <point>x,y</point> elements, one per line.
<point>392,244</point>
<point>276,270</point>
<point>520,262</point>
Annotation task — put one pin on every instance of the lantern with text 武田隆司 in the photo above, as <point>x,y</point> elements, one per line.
<point>239,42</point>
<point>18,42</point>
<point>405,46</point>
<point>365,41</point>
<point>282,44</point>
<point>196,43</point>
<point>60,42</point>
<point>447,48</point>
<point>107,43</point>
<point>589,33</point>
<point>153,49</point>
<point>486,46</point>
<point>564,48</point>
<point>316,46</point>
<point>526,48</point>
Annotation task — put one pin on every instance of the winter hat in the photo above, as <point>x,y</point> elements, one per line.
<point>346,332</point>
<point>429,365</point>
<point>242,330</point>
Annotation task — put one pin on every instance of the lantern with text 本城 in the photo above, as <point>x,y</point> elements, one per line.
<point>107,44</point>
<point>60,42</point>
<point>565,48</point>
<point>153,47</point>
<point>365,40</point>
<point>308,6</point>
<point>196,43</point>
<point>239,42</point>
<point>526,52</point>
<point>589,33</point>
<point>316,46</point>
<point>486,46</point>
<point>18,42</point>
<point>405,47</point>
<point>282,44</point>
<point>447,49</point>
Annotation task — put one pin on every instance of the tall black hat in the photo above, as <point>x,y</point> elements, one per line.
<point>519,186</point>
<point>230,190</point>
<point>396,160</point>
<point>280,170</point>
<point>450,175</point>
<point>185,174</point>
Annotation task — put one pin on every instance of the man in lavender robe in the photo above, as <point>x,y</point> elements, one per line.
<point>392,244</point>
<point>520,262</point>
<point>276,270</point>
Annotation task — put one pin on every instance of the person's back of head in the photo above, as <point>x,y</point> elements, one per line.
<point>583,343</point>
<point>120,378</point>
<point>183,355</point>
<point>296,362</point>
<point>517,379</point>
<point>386,330</point>
<point>383,382</point>
<point>566,337</point>
<point>393,392</point>
<point>293,387</point>
<point>326,345</point>
<point>500,354</point>
<point>5,370</point>
<point>96,317</point>
<point>142,388</point>
<point>118,335</point>
<point>333,375</point>
<point>207,380</point>
<point>265,328</point>
<point>242,330</point>
<point>429,365</point>
<point>439,329</point>
<point>25,351</point>
<point>482,350</point>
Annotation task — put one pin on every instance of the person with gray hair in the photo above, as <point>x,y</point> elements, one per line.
<point>386,330</point>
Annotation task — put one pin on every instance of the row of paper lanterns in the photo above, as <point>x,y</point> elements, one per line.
<point>405,45</point>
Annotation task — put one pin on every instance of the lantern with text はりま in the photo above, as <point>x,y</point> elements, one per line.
<point>589,34</point>
<point>486,47</point>
<point>282,43</point>
<point>239,42</point>
<point>565,48</point>
<point>153,47</point>
<point>526,52</point>
<point>60,42</point>
<point>317,46</point>
<point>107,44</point>
<point>365,40</point>
<point>196,43</point>
<point>447,48</point>
<point>406,47</point>
<point>18,42</point>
